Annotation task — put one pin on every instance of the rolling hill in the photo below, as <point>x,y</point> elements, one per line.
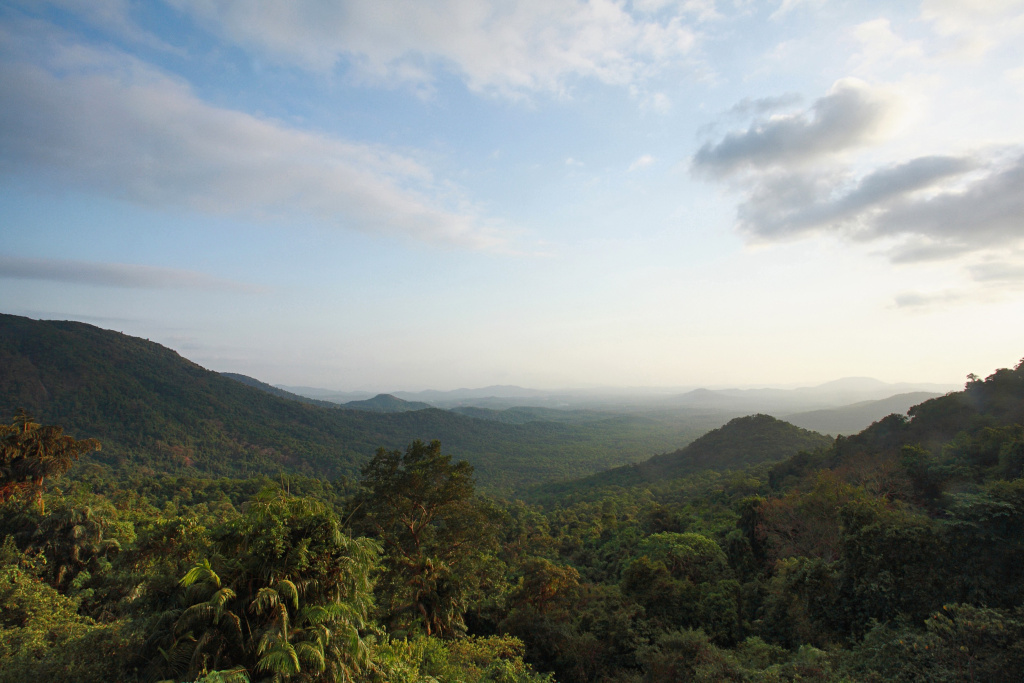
<point>276,391</point>
<point>743,441</point>
<point>386,403</point>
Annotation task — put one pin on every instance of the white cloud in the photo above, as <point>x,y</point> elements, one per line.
<point>787,6</point>
<point>103,122</point>
<point>122,275</point>
<point>880,46</point>
<point>642,161</point>
<point>658,102</point>
<point>975,27</point>
<point>497,46</point>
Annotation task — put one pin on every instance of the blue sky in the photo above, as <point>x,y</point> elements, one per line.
<point>552,193</point>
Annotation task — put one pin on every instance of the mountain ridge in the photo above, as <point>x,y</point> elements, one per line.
<point>156,411</point>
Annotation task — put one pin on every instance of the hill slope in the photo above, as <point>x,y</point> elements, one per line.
<point>858,416</point>
<point>386,403</point>
<point>155,410</point>
<point>276,391</point>
<point>741,442</point>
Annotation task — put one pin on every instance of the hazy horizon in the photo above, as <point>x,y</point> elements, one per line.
<point>609,389</point>
<point>573,193</point>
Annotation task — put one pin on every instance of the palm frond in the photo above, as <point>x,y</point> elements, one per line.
<point>280,659</point>
<point>288,591</point>
<point>311,654</point>
<point>202,572</point>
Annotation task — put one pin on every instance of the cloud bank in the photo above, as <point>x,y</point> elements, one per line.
<point>796,175</point>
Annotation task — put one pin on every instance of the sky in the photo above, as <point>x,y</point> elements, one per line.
<point>409,194</point>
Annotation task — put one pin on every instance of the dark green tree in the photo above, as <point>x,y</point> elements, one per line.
<point>438,538</point>
<point>30,453</point>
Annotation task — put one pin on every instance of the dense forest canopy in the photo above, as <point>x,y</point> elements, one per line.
<point>760,552</point>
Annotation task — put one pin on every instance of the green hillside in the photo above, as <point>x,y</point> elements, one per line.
<point>276,391</point>
<point>157,411</point>
<point>744,441</point>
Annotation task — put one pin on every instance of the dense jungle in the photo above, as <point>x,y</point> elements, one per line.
<point>895,554</point>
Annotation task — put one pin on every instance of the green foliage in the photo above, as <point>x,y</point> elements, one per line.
<point>437,537</point>
<point>31,453</point>
<point>958,643</point>
<point>891,555</point>
<point>493,659</point>
<point>42,637</point>
<point>289,594</point>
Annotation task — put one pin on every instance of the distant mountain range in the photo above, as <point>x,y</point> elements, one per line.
<point>834,394</point>
<point>839,393</point>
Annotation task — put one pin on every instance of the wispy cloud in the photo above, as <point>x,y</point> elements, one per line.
<point>121,275</point>
<point>642,161</point>
<point>974,27</point>
<point>927,300</point>
<point>787,6</point>
<point>101,121</point>
<point>113,17</point>
<point>998,271</point>
<point>760,106</point>
<point>500,46</point>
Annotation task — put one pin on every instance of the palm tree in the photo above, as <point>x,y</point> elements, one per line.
<point>207,632</point>
<point>294,602</point>
<point>72,539</point>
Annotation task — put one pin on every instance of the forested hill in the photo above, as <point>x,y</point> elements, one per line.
<point>744,441</point>
<point>271,389</point>
<point>386,403</point>
<point>153,409</point>
<point>960,437</point>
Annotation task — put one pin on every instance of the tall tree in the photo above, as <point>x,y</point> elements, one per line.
<point>437,536</point>
<point>30,453</point>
